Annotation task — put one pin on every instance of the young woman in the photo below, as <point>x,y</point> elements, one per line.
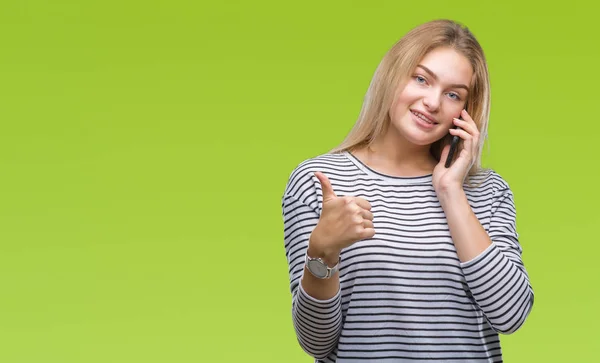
<point>394,255</point>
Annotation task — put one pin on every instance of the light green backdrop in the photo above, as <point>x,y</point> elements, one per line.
<point>144,148</point>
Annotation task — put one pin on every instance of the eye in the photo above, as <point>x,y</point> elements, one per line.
<point>454,96</point>
<point>420,79</point>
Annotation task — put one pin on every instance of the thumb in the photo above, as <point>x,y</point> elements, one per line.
<point>328,192</point>
<point>444,155</point>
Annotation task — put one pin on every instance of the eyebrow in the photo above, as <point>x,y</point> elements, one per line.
<point>434,76</point>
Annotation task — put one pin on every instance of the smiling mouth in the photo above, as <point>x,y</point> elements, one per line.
<point>424,118</point>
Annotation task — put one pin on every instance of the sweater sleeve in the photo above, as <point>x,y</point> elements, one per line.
<point>317,323</point>
<point>497,277</point>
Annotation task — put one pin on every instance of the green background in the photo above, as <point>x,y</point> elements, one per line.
<point>144,148</point>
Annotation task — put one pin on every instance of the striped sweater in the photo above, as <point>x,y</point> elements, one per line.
<point>404,294</point>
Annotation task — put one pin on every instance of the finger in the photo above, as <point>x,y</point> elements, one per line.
<point>445,152</point>
<point>328,192</point>
<point>368,224</point>
<point>474,131</point>
<point>464,154</point>
<point>468,126</point>
<point>465,115</point>
<point>461,133</point>
<point>367,233</point>
<point>363,203</point>
<point>467,147</point>
<point>367,214</point>
<point>471,128</point>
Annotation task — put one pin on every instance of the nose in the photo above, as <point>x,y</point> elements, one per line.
<point>432,100</point>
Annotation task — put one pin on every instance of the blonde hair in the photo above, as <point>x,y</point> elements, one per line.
<point>396,68</point>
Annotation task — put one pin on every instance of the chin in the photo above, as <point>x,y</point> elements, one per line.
<point>419,137</point>
<point>420,140</point>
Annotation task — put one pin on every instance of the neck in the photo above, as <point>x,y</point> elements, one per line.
<point>394,155</point>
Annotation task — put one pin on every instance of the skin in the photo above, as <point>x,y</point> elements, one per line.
<point>438,90</point>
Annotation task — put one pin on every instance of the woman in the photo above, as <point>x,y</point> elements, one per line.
<point>394,256</point>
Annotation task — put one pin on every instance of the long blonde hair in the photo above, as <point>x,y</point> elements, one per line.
<point>395,70</point>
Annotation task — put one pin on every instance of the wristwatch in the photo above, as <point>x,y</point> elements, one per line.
<point>319,268</point>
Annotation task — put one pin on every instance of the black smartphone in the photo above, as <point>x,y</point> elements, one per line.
<point>453,147</point>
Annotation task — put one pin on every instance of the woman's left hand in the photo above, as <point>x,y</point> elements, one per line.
<point>454,176</point>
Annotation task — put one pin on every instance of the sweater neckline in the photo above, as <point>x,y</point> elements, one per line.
<point>392,179</point>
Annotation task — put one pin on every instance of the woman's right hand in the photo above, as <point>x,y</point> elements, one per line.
<point>344,221</point>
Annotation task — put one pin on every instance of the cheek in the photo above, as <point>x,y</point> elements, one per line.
<point>395,109</point>
<point>402,102</point>
<point>452,111</point>
<point>408,95</point>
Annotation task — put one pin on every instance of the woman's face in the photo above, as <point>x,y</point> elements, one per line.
<point>434,95</point>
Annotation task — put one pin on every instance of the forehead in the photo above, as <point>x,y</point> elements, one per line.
<point>448,65</point>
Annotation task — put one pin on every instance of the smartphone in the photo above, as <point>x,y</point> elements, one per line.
<point>453,147</point>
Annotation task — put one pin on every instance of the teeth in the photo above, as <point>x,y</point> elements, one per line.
<point>422,117</point>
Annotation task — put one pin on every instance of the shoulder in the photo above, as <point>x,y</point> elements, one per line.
<point>488,181</point>
<point>330,162</point>
<point>302,176</point>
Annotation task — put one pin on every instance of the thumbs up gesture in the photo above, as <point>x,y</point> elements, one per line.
<point>344,221</point>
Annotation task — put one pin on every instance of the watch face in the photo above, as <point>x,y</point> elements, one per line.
<point>317,268</point>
